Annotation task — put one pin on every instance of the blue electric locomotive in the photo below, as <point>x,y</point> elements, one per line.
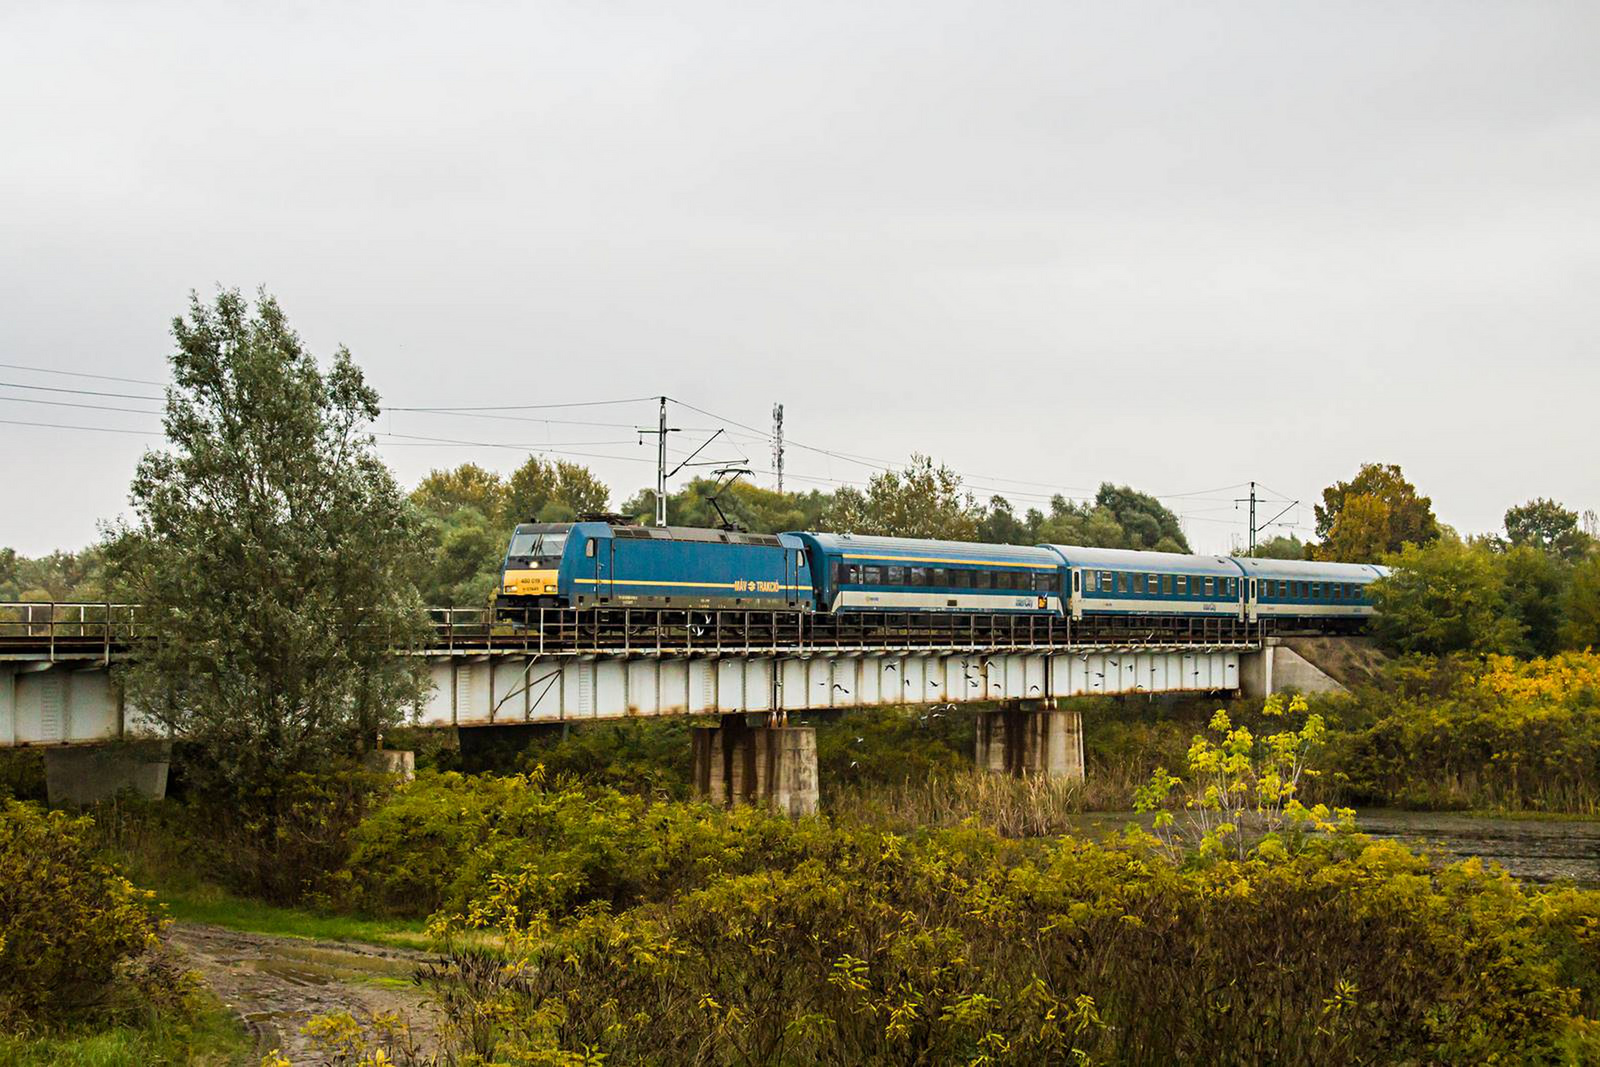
<point>597,564</point>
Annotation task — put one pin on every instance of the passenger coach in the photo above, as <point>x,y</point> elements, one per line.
<point>1109,582</point>
<point>1299,594</point>
<point>864,574</point>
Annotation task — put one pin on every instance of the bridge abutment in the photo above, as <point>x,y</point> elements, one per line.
<point>1277,668</point>
<point>77,775</point>
<point>775,766</point>
<point>1030,737</point>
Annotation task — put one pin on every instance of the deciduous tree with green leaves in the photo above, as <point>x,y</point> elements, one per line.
<point>1547,526</point>
<point>1443,598</point>
<point>274,558</point>
<point>922,500</point>
<point>1372,514</point>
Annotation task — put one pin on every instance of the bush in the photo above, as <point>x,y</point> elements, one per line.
<point>957,947</point>
<point>442,840</point>
<point>71,926</point>
<point>1500,732</point>
<point>892,746</point>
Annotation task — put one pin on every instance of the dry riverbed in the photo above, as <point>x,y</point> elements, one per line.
<point>277,984</point>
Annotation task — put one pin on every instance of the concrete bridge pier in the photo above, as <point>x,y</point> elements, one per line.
<point>1030,737</point>
<point>737,763</point>
<point>77,775</point>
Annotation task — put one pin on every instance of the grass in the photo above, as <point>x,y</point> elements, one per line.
<point>217,907</point>
<point>213,1038</point>
<point>1034,806</point>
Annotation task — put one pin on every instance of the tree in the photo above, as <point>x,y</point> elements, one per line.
<point>444,493</point>
<point>1443,598</point>
<point>1548,527</point>
<point>1385,513</point>
<point>1147,523</point>
<point>1535,582</point>
<point>1000,525</point>
<point>1283,546</point>
<point>1118,517</point>
<point>920,501</point>
<point>541,491</point>
<point>273,555</point>
<point>1580,606</point>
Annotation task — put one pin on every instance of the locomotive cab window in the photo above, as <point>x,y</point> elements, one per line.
<point>588,548</point>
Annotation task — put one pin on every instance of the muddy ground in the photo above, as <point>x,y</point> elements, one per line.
<point>277,984</point>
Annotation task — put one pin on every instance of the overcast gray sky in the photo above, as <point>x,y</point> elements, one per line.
<point>1174,245</point>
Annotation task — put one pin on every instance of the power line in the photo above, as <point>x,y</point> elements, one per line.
<point>501,444</point>
<point>70,404</point>
<point>90,429</point>
<point>527,407</point>
<point>79,392</point>
<point>80,374</point>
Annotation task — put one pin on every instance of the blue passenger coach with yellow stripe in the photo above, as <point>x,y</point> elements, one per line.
<point>597,564</point>
<point>1116,581</point>
<point>856,573</point>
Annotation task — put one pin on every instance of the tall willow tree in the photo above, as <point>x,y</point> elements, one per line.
<point>272,553</point>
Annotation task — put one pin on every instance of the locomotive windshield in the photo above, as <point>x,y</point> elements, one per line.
<point>541,544</point>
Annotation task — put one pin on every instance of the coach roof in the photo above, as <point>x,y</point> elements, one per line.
<point>914,550</point>
<point>1125,559</point>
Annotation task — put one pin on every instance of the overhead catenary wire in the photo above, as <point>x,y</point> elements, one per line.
<point>499,412</point>
<point>80,374</point>
<point>78,392</point>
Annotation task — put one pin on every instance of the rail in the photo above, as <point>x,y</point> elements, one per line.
<point>58,630</point>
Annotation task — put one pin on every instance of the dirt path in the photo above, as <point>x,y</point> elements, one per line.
<point>276,984</point>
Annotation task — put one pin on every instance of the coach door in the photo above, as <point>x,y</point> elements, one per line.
<point>603,549</point>
<point>1254,592</point>
<point>791,576</point>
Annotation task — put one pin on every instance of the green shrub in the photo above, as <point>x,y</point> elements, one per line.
<point>1496,733</point>
<point>957,947</point>
<point>442,839</point>
<point>71,926</point>
<point>891,746</point>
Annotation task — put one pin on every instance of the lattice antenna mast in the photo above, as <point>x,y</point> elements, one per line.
<point>777,443</point>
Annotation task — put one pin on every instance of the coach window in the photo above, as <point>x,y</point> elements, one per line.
<point>872,575</point>
<point>895,575</point>
<point>1211,587</point>
<point>1084,581</point>
<point>1166,585</point>
<point>918,576</point>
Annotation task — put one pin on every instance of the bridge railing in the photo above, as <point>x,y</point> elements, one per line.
<point>75,627</point>
<point>75,630</point>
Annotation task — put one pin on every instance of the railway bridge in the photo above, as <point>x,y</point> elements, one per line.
<point>745,672</point>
